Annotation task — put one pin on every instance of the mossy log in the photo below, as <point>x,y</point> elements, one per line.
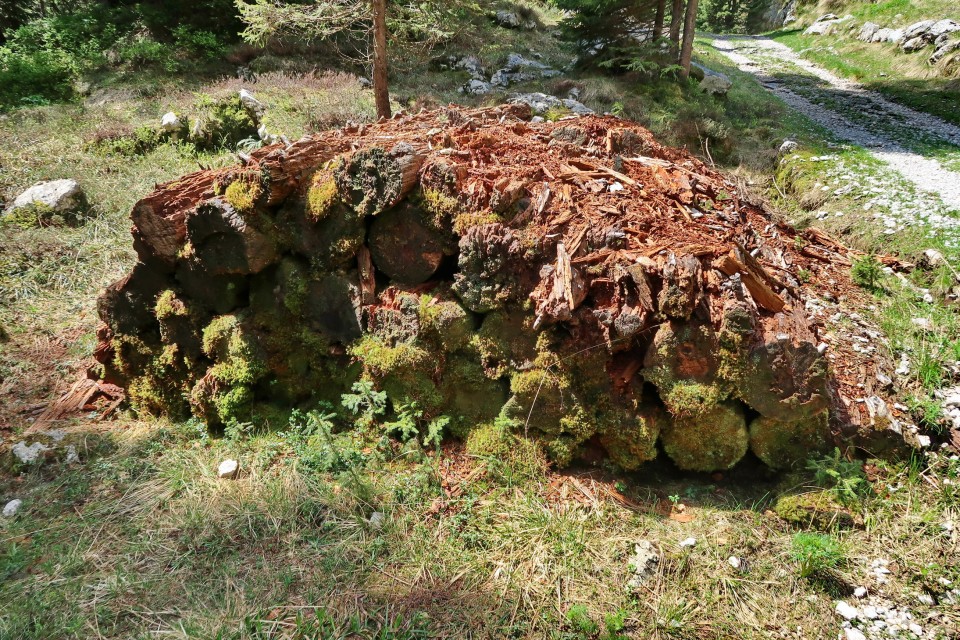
<point>405,246</point>
<point>484,268</point>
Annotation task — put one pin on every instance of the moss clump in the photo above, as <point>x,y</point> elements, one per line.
<point>508,455</point>
<point>817,509</point>
<point>470,397</point>
<point>222,122</point>
<point>170,306</point>
<point>464,221</point>
<point>242,194</point>
<point>404,371</point>
<point>442,208</point>
<point>322,195</point>
<point>445,322</point>
<point>504,338</point>
<point>686,399</point>
<point>782,444</point>
<point>712,441</point>
<point>633,439</point>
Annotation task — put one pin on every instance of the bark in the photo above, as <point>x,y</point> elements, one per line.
<point>373,180</point>
<point>689,30</point>
<point>658,20</point>
<point>225,243</point>
<point>676,20</point>
<point>381,89</point>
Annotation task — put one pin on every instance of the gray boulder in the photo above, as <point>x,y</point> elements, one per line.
<point>10,509</point>
<point>714,82</point>
<point>914,44</point>
<point>942,28</point>
<point>887,35</point>
<point>825,25</point>
<point>918,30</point>
<point>944,50</point>
<point>867,31</point>
<point>62,198</point>
<point>476,87</point>
<point>508,19</point>
<point>520,69</point>
<point>540,103</point>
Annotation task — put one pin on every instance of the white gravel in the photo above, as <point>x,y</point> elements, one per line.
<point>760,56</point>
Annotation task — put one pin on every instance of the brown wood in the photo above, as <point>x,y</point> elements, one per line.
<point>676,20</point>
<point>658,20</point>
<point>689,30</point>
<point>381,91</point>
<point>756,282</point>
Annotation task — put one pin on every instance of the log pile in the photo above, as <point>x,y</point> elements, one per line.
<point>606,293</point>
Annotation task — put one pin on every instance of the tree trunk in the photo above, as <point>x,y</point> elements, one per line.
<point>675,22</point>
<point>658,21</point>
<point>381,91</point>
<point>403,247</point>
<point>689,29</point>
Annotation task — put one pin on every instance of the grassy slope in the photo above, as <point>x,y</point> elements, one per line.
<point>142,538</point>
<point>906,78</point>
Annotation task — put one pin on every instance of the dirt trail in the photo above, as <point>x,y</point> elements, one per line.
<point>890,131</point>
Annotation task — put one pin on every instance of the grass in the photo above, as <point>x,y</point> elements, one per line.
<point>142,537</point>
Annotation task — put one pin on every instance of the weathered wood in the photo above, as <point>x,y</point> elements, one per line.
<point>681,285</point>
<point>224,242</point>
<point>368,280</point>
<point>753,278</point>
<point>373,180</point>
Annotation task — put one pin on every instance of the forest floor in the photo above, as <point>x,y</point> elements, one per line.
<point>126,531</point>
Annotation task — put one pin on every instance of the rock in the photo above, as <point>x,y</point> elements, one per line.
<point>717,85</point>
<point>933,258</point>
<point>887,35</point>
<point>913,44</point>
<point>941,28</point>
<point>476,87</point>
<point>924,324</point>
<point>688,543</point>
<point>943,50</point>
<point>918,30</point>
<point>860,592</point>
<point>28,454</point>
<point>520,69</point>
<point>851,633</point>
<point>170,122</point>
<point>251,103</point>
<point>540,103</point>
<point>643,563</point>
<point>867,31</point>
<point>228,469</point>
<point>470,64</point>
<point>826,24</point>
<point>55,197</point>
<point>846,611</point>
<point>376,520</point>
<point>508,19</point>
<point>11,508</point>
<point>788,146</point>
<point>734,562</point>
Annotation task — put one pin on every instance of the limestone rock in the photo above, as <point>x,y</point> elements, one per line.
<point>228,469</point>
<point>28,454</point>
<point>170,122</point>
<point>55,197</point>
<point>508,19</point>
<point>867,31</point>
<point>541,103</point>
<point>913,44</point>
<point>11,508</point>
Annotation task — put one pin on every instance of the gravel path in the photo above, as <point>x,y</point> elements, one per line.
<point>778,68</point>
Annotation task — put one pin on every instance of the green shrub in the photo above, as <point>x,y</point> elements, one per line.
<point>867,272</point>
<point>845,479</point>
<point>33,79</point>
<point>816,553</point>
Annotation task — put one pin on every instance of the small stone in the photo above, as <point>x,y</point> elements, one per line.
<point>251,103</point>
<point>228,469</point>
<point>688,542</point>
<point>170,122</point>
<point>925,598</point>
<point>853,634</point>
<point>915,629</point>
<point>923,441</point>
<point>376,520</point>
<point>859,592</point>
<point>922,323</point>
<point>734,562</point>
<point>846,611</point>
<point>870,613</point>
<point>72,455</point>
<point>11,508</point>
<point>788,146</point>
<point>28,454</point>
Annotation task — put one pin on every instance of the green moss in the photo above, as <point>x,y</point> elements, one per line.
<point>169,305</point>
<point>244,360</point>
<point>816,509</point>
<point>445,322</point>
<point>687,399</point>
<point>504,338</point>
<point>467,219</point>
<point>222,122</point>
<point>470,397</point>
<point>632,440</point>
<point>131,355</point>
<point>783,444</point>
<point>404,371</point>
<point>242,194</point>
<point>216,335</point>
<point>712,441</point>
<point>442,208</point>
<point>508,455</point>
<point>322,195</point>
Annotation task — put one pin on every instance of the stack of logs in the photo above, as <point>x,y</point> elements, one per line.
<point>603,292</point>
